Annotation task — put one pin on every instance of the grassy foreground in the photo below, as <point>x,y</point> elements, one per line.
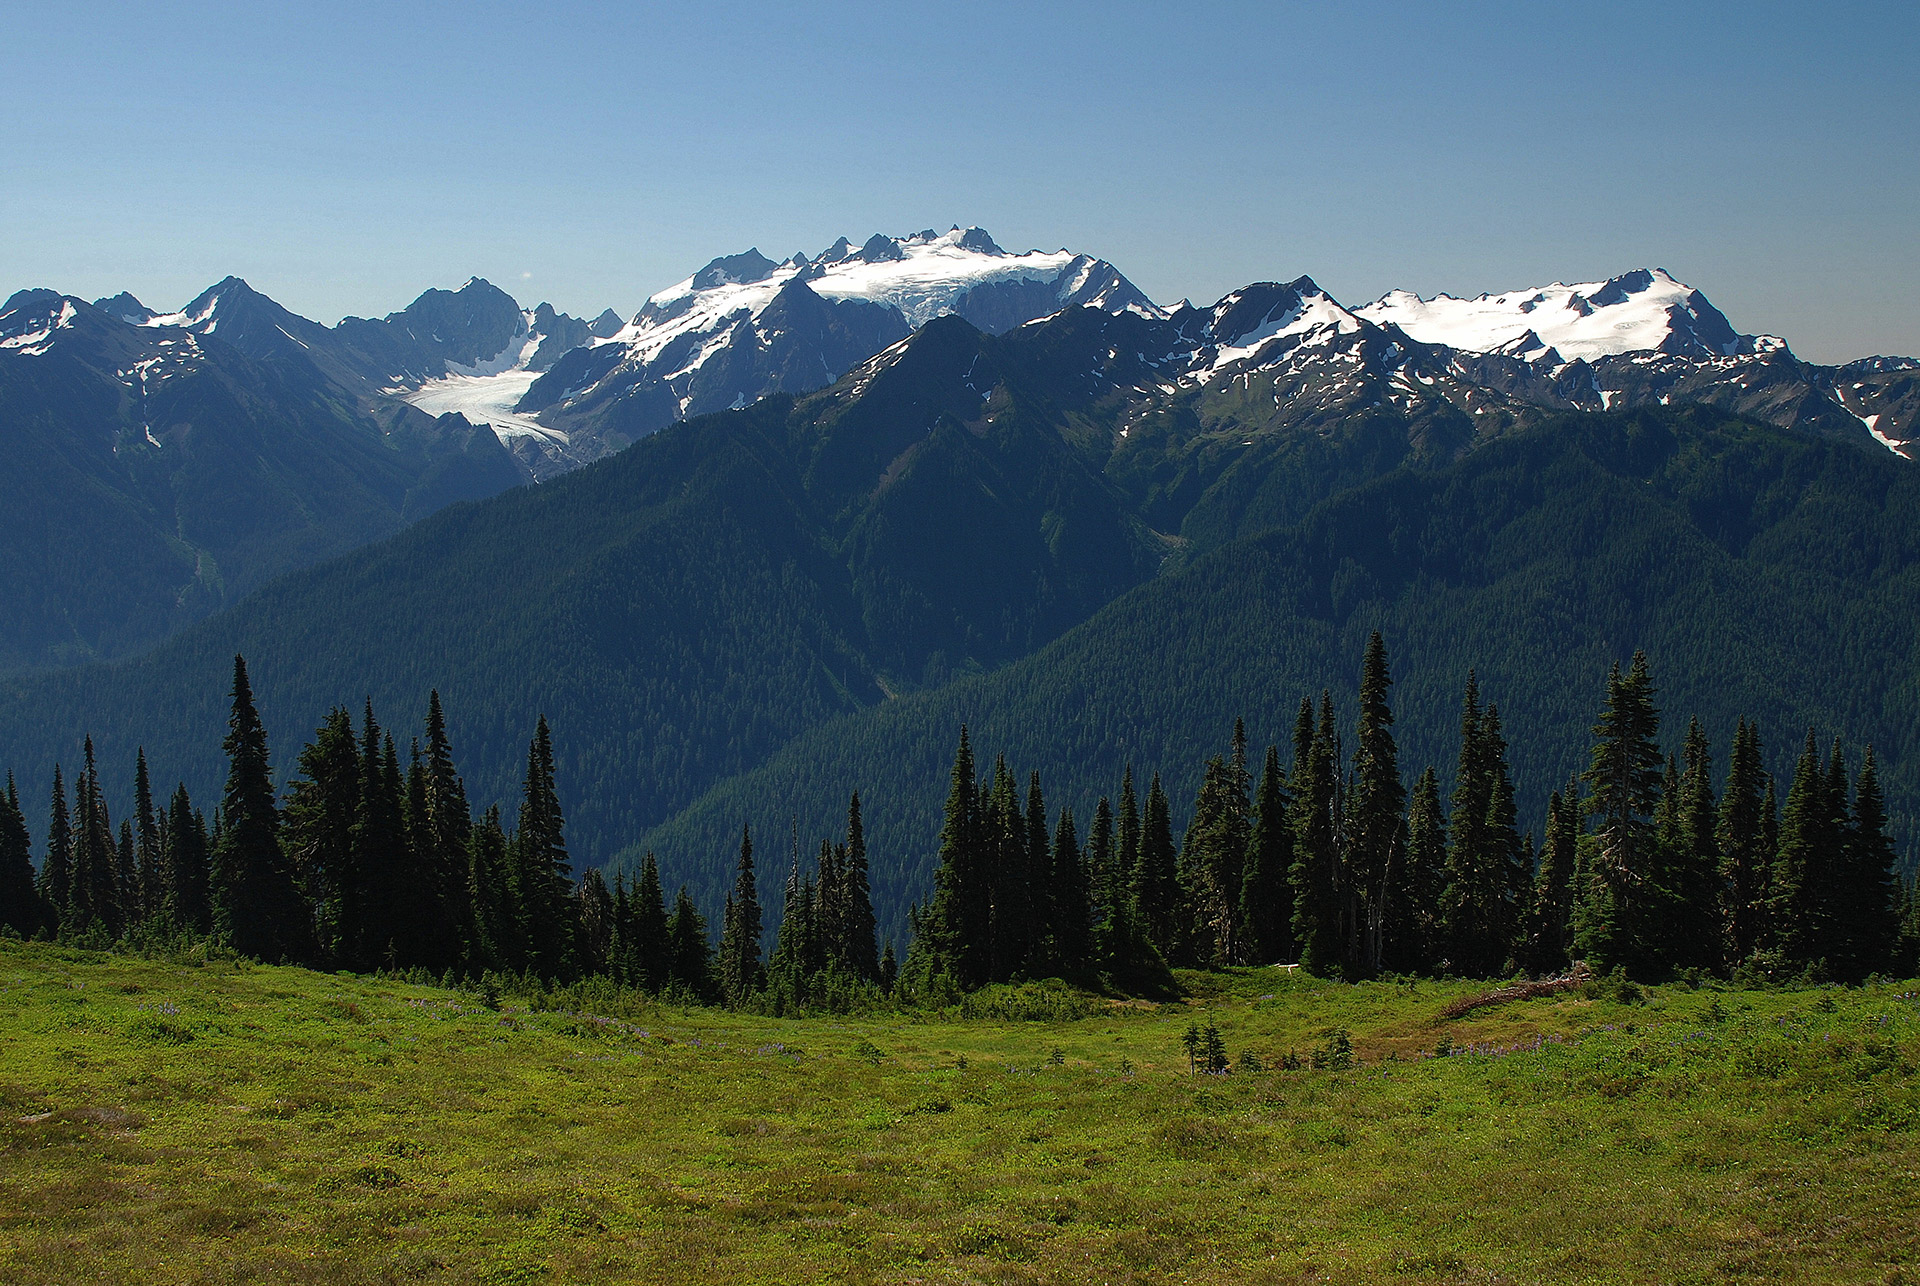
<point>228,1123</point>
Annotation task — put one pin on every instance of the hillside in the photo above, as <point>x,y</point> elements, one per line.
<point>1766,574</point>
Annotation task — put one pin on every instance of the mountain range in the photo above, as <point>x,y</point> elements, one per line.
<point>798,520</point>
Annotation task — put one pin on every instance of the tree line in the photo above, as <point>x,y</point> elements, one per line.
<point>1330,862</point>
<point>1333,864</point>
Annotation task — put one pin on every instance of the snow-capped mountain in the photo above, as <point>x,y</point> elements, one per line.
<point>745,326</point>
<point>1641,311</point>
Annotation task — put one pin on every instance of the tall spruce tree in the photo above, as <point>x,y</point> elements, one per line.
<point>257,906</point>
<point>1156,886</point>
<point>1549,929</point>
<point>1870,929</point>
<point>651,948</point>
<point>1375,825</point>
<point>317,836</point>
<point>95,896</point>
<point>56,873</point>
<point>1071,932</point>
<point>689,954</point>
<point>1266,889</point>
<point>1746,861</point>
<point>595,916</point>
<point>1042,955</point>
<point>1319,909</point>
<point>740,966</point>
<point>146,839</point>
<point>20,906</point>
<point>186,856</point>
<point>1806,864</point>
<point>443,844</point>
<point>1420,942</point>
<point>958,930</point>
<point>495,933</point>
<point>1616,924</point>
<point>857,946</point>
<point>543,873</point>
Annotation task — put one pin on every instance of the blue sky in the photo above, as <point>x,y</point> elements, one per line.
<point>344,157</point>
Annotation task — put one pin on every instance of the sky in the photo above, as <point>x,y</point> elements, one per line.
<point>344,157</point>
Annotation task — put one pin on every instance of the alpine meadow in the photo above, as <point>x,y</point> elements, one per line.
<point>919,760</point>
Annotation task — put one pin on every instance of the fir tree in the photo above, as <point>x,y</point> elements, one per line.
<point>1549,930</point>
<point>317,836</point>
<point>1746,860</point>
<point>495,934</point>
<point>442,845</point>
<point>1806,864</point>
<point>689,955</point>
<point>958,929</point>
<point>543,873</point>
<point>740,970</point>
<point>1420,941</point>
<point>651,948</point>
<point>1375,828</point>
<point>857,945</point>
<point>596,918</point>
<point>1266,890</point>
<point>1156,886</point>
<point>1616,923</point>
<point>1319,922</point>
<point>1071,933</point>
<point>186,856</point>
<point>1126,856</point>
<point>1869,930</point>
<point>20,906</point>
<point>56,873</point>
<point>1101,885</point>
<point>147,840</point>
<point>257,906</point>
<point>95,896</point>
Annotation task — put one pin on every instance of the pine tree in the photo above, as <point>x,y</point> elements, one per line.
<point>495,938</point>
<point>1746,860</point>
<point>443,844</point>
<point>1319,922</point>
<point>958,932</point>
<point>543,874</point>
<point>1690,844</point>
<point>689,955</point>
<point>317,836</point>
<point>20,906</point>
<point>389,895</point>
<point>1549,931</point>
<point>1806,864</point>
<point>95,895</point>
<point>1041,955</point>
<point>1616,922</point>
<point>1072,935</point>
<point>859,945</point>
<point>186,857</point>
<point>1868,894</point>
<point>56,873</point>
<point>1509,856</point>
<point>1156,886</point>
<point>147,839</point>
<point>1266,895</point>
<point>740,969</point>
<point>596,919</point>
<point>651,947</point>
<point>1375,826</point>
<point>1126,858</point>
<point>257,906</point>
<point>1101,885</point>
<point>1419,942</point>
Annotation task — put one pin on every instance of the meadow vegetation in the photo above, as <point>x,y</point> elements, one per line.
<point>202,1119</point>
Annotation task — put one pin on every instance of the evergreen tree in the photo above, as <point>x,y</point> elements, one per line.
<point>186,856</point>
<point>56,873</point>
<point>1266,890</point>
<point>318,837</point>
<point>859,953</point>
<point>256,904</point>
<point>1126,861</point>
<point>740,970</point>
<point>1746,860</point>
<point>1616,924</point>
<point>495,935</point>
<point>1807,864</point>
<point>1101,885</point>
<point>1870,929</point>
<point>442,841</point>
<point>1156,886</point>
<point>1041,955</point>
<point>1072,935</point>
<point>957,935</point>
<point>1420,941</point>
<point>1213,859</point>
<point>651,947</point>
<point>596,922</point>
<point>20,906</point>
<point>689,955</point>
<point>1375,825</point>
<point>147,839</point>
<point>95,895</point>
<point>543,874</point>
<point>1319,922</point>
<point>390,893</point>
<point>1549,931</point>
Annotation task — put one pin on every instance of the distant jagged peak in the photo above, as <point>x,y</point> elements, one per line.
<point>1645,310</point>
<point>126,308</point>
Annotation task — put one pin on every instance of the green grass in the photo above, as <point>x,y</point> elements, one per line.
<point>227,1123</point>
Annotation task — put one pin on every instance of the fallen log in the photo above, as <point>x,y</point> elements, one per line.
<point>1577,976</point>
